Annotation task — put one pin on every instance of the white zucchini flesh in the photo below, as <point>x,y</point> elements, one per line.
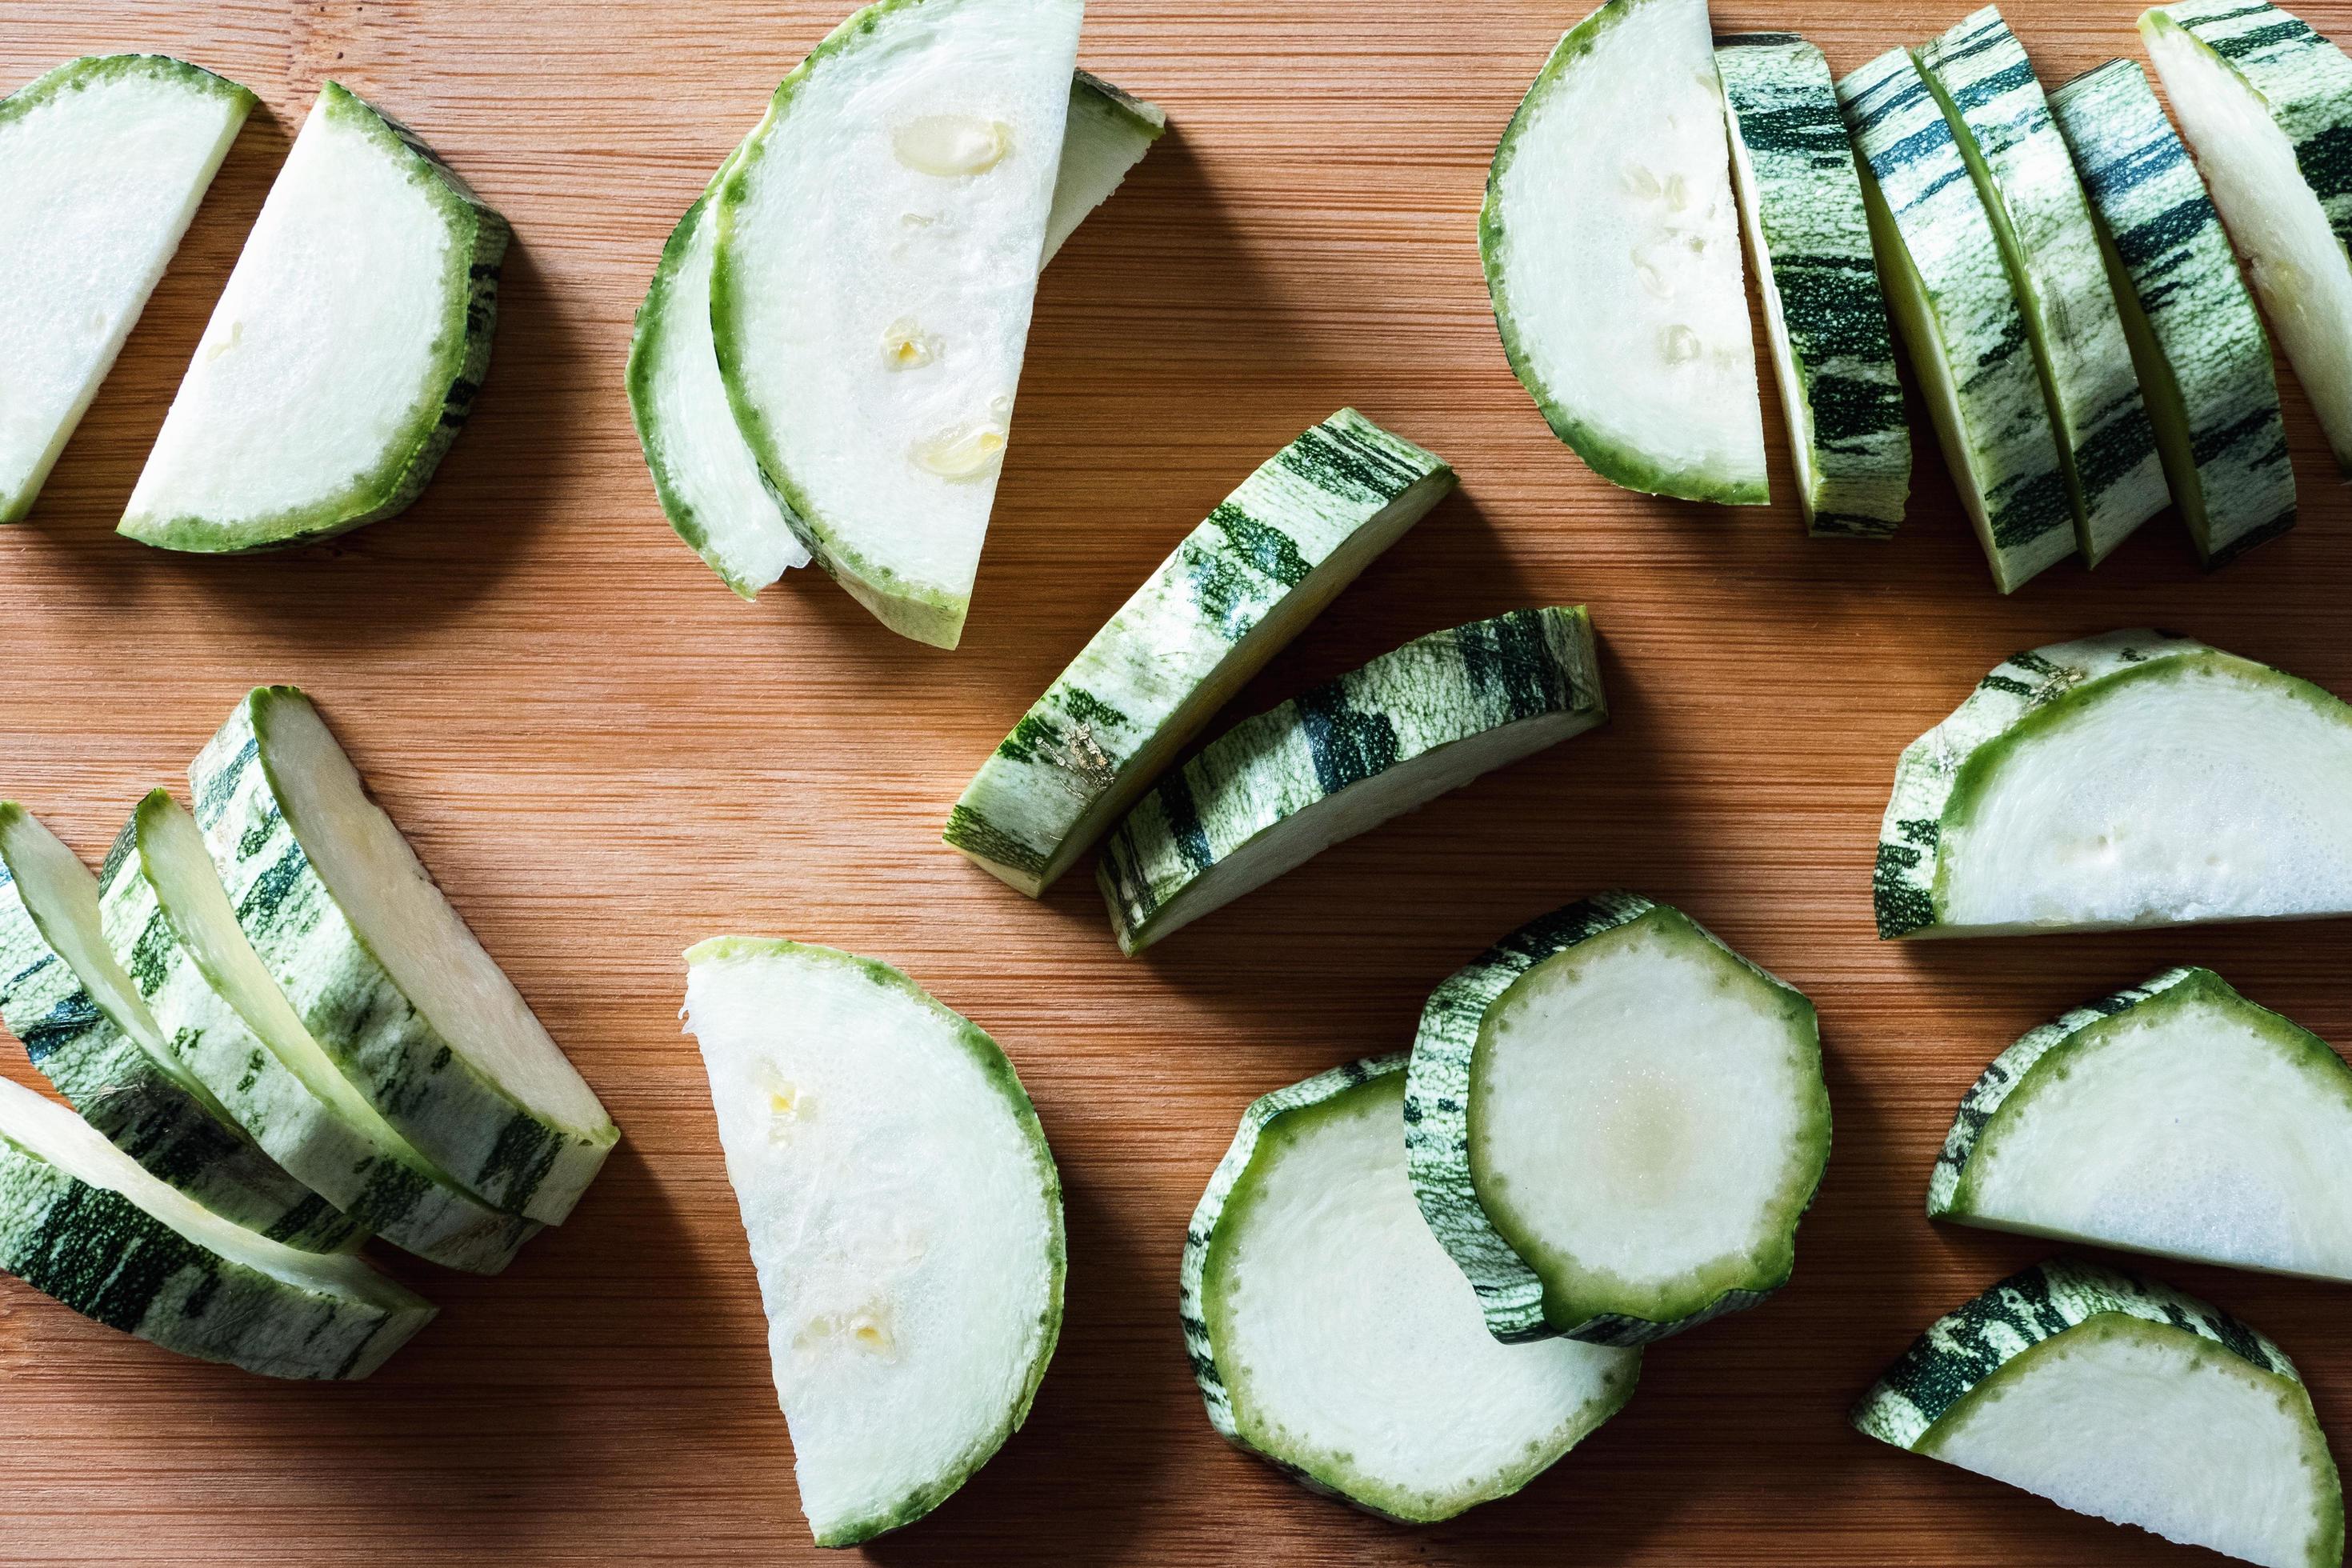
<point>2174,1118</point>
<point>103,163</point>
<point>1330,1334</point>
<point>81,1222</point>
<point>2129,780</point>
<point>904,1215</point>
<point>344,353</point>
<point>2266,105</point>
<point>2119,1397</point>
<point>1613,184</point>
<point>878,247</point>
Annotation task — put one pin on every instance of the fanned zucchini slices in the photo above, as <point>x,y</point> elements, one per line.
<point>2117,1396</point>
<point>102,162</point>
<point>904,1216</point>
<point>2135,779</point>
<point>2175,1118</point>
<point>81,1222</point>
<point>1614,1123</point>
<point>1330,1334</point>
<point>1612,246</point>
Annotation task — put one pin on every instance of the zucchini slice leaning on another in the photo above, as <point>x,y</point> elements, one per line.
<point>1278,789</point>
<point>1614,1123</point>
<point>345,353</point>
<point>904,1220</point>
<point>103,162</point>
<point>2135,779</point>
<point>81,1222</point>
<point>1330,1334</point>
<point>2174,1118</point>
<point>1233,594</point>
<point>2120,1397</point>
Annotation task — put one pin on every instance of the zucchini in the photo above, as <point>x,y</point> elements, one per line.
<point>1107,132</point>
<point>80,1221</point>
<point>2116,1397</point>
<point>1824,315</point>
<point>2135,779</point>
<point>1332,1336</point>
<point>107,160</point>
<point>2204,359</point>
<point>904,1216</point>
<point>345,353</point>
<point>1233,593</point>
<point>1611,240</point>
<point>1276,790</point>
<point>382,971</point>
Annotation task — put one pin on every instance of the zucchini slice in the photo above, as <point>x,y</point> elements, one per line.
<point>2267,105</point>
<point>2116,1397</point>
<point>2204,359</point>
<point>877,242</point>
<point>1825,316</point>
<point>2135,779</point>
<point>382,971</point>
<point>1958,314</point>
<point>1237,589</point>
<point>102,162</point>
<point>1330,1334</point>
<point>1277,789</point>
<point>904,1216</point>
<point>1610,239</point>
<point>1614,1124</point>
<point>2175,1118</point>
<point>81,1222</point>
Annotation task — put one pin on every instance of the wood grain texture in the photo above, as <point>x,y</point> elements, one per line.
<point>604,755</point>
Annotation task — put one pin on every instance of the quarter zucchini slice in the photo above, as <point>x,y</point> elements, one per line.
<point>2135,779</point>
<point>345,351</point>
<point>1237,589</point>
<point>382,971</point>
<point>80,1221</point>
<point>1330,1334</point>
<point>105,160</point>
<point>1613,184</point>
<point>2116,1397</point>
<point>1278,789</point>
<point>904,1215</point>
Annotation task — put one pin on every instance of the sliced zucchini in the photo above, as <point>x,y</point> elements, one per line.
<point>1278,789</point>
<point>1107,132</point>
<point>1330,1334</point>
<point>345,351</point>
<point>2135,779</point>
<point>81,1222</point>
<point>2120,1397</point>
<point>1237,589</point>
<point>106,159</point>
<point>382,971</point>
<point>1610,239</point>
<point>904,1216</point>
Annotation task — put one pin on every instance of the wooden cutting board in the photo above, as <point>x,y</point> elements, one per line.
<point>604,756</point>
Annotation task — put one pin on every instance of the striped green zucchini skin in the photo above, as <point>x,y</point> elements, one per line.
<point>116,1071</point>
<point>132,1255</point>
<point>423,1082</point>
<point>2204,359</point>
<point>1405,709</point>
<point>1833,348</point>
<point>1952,297</point>
<point>1237,589</point>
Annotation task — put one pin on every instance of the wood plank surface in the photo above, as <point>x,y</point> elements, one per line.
<point>604,756</point>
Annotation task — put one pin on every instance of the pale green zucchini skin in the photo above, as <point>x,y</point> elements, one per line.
<point>422,1083</point>
<point>2204,359</point>
<point>1401,710</point>
<point>118,1073</point>
<point>1244,582</point>
<point>1810,239</point>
